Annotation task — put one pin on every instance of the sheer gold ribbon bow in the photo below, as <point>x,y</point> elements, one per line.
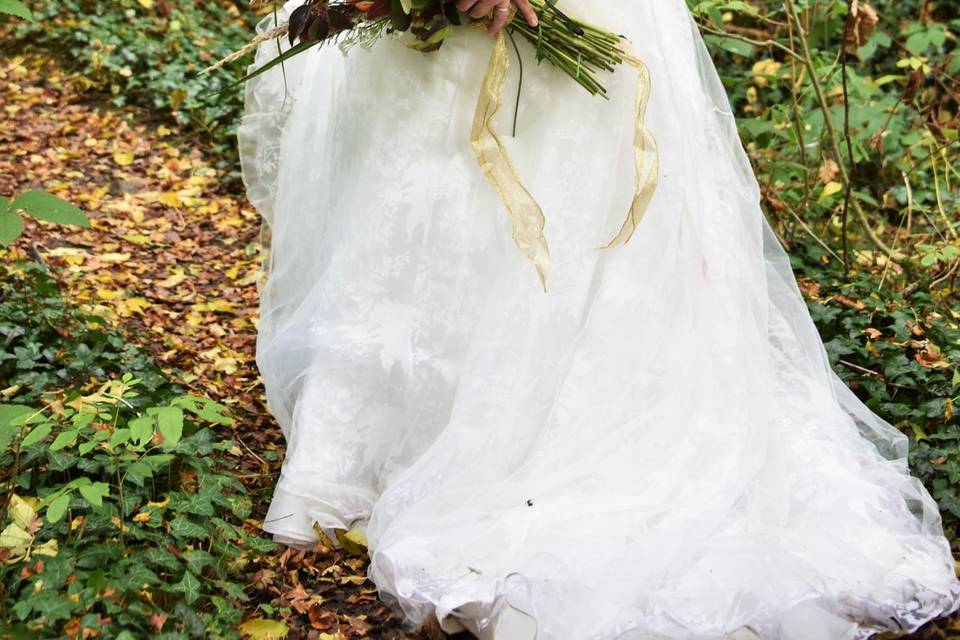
<point>527,216</point>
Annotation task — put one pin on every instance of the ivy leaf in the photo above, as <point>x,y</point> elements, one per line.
<point>189,586</point>
<point>181,527</point>
<point>43,206</point>
<point>197,559</point>
<point>133,575</point>
<point>52,606</point>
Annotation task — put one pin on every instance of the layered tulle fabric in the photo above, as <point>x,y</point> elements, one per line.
<point>656,447</point>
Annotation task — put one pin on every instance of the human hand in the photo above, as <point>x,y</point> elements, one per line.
<point>501,11</point>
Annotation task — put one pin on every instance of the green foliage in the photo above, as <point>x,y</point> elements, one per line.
<point>48,345</point>
<point>121,513</point>
<point>899,117</point>
<point>15,8</point>
<point>122,520</point>
<point>39,205</point>
<point>148,53</point>
<point>901,356</point>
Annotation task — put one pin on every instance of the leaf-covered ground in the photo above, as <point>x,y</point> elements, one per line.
<point>172,256</point>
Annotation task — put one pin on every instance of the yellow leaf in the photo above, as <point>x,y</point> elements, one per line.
<point>762,69</point>
<point>831,188</point>
<point>177,96</point>
<point>123,158</point>
<point>137,238</point>
<point>22,511</point>
<point>146,4</point>
<point>163,504</point>
<point>352,541</point>
<point>173,279</point>
<point>217,306</point>
<point>16,540</point>
<point>226,365</point>
<point>64,252</point>
<point>253,275</point>
<point>170,199</point>
<point>113,257</point>
<point>129,306</point>
<point>108,294</point>
<point>49,548</point>
<point>232,221</point>
<point>264,629</point>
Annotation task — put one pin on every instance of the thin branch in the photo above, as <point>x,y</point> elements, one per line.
<point>832,133</point>
<point>757,43</point>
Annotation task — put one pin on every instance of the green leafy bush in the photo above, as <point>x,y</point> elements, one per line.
<point>121,513</point>
<point>125,522</point>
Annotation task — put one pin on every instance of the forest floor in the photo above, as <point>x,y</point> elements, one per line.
<point>173,257</point>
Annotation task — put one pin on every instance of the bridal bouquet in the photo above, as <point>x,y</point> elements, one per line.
<point>580,50</point>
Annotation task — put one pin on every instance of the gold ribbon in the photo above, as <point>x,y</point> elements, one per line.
<point>645,155</point>
<point>526,214</point>
<point>528,220</point>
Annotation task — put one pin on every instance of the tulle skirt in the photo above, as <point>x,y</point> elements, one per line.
<point>656,447</point>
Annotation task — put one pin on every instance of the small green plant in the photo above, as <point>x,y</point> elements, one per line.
<point>126,522</point>
<point>39,205</point>
<point>47,345</point>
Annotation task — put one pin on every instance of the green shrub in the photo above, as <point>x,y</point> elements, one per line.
<point>120,509</point>
<point>122,521</point>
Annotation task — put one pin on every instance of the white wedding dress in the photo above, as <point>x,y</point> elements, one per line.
<point>656,447</point>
